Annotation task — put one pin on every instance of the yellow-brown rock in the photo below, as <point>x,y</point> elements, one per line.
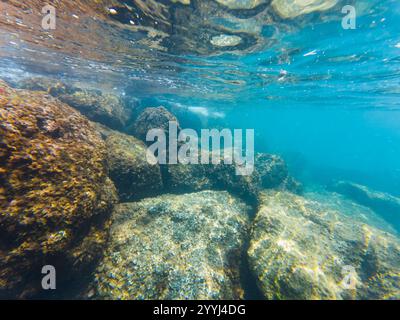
<point>320,247</point>
<point>55,195</point>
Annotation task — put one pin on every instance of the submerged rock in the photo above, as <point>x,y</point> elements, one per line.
<point>103,130</point>
<point>195,177</point>
<point>274,173</point>
<point>270,172</point>
<point>107,109</point>
<point>188,178</point>
<point>55,196</point>
<point>175,247</point>
<point>305,249</point>
<point>132,174</point>
<point>51,86</point>
<point>152,118</point>
<point>294,8</point>
<point>383,204</point>
<point>36,84</point>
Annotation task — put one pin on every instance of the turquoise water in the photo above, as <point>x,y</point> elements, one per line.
<point>334,114</point>
<point>324,98</point>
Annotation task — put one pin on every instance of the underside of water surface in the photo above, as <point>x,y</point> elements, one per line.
<point>312,87</point>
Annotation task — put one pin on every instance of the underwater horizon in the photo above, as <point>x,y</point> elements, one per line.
<point>83,84</point>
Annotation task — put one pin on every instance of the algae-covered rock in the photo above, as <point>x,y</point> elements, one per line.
<point>103,130</point>
<point>293,8</point>
<point>274,173</point>
<point>55,196</point>
<point>52,86</point>
<point>247,187</point>
<point>188,178</point>
<point>107,109</point>
<point>152,118</point>
<point>302,248</point>
<point>195,177</point>
<point>382,203</point>
<point>175,247</point>
<point>36,84</point>
<point>133,175</point>
<point>270,171</point>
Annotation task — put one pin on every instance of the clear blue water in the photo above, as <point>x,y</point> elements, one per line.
<point>326,99</point>
<point>332,115</point>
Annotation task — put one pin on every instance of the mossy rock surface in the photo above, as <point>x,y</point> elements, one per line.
<point>105,108</point>
<point>55,194</point>
<point>152,118</point>
<point>306,248</point>
<point>175,247</point>
<point>270,171</point>
<point>134,176</point>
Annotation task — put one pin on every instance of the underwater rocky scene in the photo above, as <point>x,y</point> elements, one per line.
<point>296,198</point>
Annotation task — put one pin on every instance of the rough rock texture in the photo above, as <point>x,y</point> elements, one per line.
<point>132,174</point>
<point>187,178</point>
<point>36,84</point>
<point>51,86</point>
<point>175,247</point>
<point>106,109</point>
<point>55,196</point>
<point>152,118</point>
<point>274,173</point>
<point>270,172</point>
<point>103,130</point>
<point>307,249</point>
<point>383,204</point>
<point>294,8</point>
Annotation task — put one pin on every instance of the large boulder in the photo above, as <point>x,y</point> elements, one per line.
<point>55,195</point>
<point>36,84</point>
<point>107,109</point>
<point>270,171</point>
<point>152,118</point>
<point>306,248</point>
<point>134,176</point>
<point>382,203</point>
<point>103,130</point>
<point>188,178</point>
<point>175,247</point>
<point>274,173</point>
